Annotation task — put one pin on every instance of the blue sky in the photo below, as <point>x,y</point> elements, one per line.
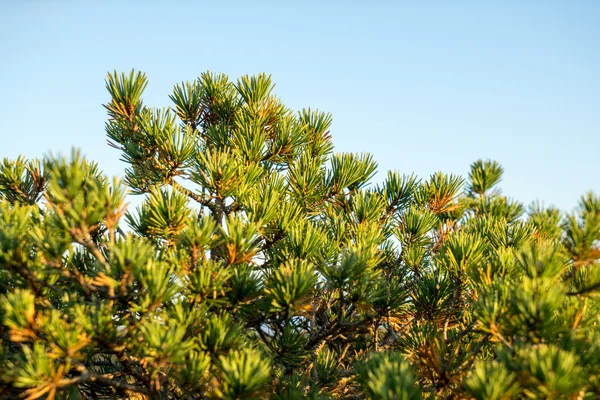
<point>423,85</point>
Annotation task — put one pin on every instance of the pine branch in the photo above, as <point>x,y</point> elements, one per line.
<point>585,290</point>
<point>194,196</point>
<point>106,379</point>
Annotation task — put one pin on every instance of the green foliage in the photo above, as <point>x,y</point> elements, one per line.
<point>491,381</point>
<point>387,377</point>
<point>242,374</point>
<point>261,264</point>
<point>484,175</point>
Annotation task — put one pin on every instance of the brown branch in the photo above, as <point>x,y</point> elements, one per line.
<point>194,196</point>
<point>87,375</point>
<point>584,290</point>
<point>473,354</point>
<point>116,384</point>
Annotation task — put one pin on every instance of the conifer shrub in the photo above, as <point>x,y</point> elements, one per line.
<point>262,265</point>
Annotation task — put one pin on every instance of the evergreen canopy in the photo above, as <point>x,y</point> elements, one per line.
<point>261,265</point>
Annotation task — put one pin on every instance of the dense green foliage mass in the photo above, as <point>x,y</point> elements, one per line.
<point>262,265</point>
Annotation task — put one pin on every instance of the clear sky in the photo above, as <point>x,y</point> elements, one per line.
<point>423,85</point>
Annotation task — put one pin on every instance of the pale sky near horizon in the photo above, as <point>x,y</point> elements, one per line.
<point>422,85</point>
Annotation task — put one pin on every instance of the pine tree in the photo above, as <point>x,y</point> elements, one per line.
<point>262,265</point>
